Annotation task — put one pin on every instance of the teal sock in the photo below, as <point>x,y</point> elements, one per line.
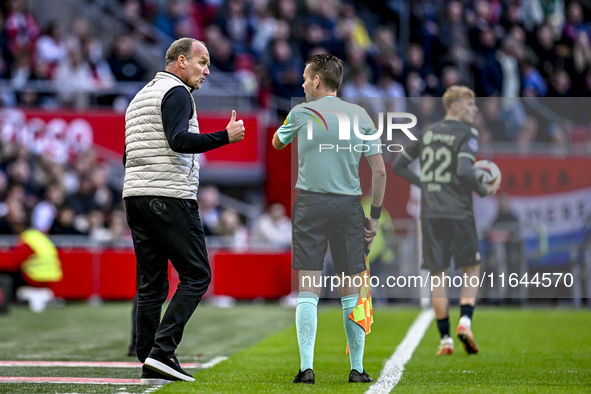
<point>355,333</point>
<point>306,324</point>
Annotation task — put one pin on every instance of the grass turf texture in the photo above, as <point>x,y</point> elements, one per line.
<point>80,332</point>
<point>522,350</point>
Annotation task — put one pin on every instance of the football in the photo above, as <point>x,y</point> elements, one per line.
<point>487,173</point>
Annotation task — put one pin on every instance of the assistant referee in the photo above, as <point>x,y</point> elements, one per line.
<point>328,208</point>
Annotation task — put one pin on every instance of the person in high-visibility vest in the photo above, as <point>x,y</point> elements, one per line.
<point>34,265</point>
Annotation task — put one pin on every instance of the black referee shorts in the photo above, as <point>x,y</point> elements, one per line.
<point>319,220</point>
<point>444,238</point>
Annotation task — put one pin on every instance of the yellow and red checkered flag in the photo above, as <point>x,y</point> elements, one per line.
<point>362,314</point>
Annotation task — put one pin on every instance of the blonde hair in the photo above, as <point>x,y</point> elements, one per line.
<point>455,93</point>
<point>182,46</point>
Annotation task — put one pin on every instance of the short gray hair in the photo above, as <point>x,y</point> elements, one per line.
<point>182,46</point>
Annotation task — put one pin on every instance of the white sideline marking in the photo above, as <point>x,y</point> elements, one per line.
<point>392,371</point>
<point>69,380</point>
<point>101,364</point>
<point>213,361</point>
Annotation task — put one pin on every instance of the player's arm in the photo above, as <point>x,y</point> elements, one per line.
<point>464,171</point>
<point>286,133</point>
<point>378,189</point>
<point>466,157</point>
<point>277,144</point>
<point>400,165</point>
<point>176,113</point>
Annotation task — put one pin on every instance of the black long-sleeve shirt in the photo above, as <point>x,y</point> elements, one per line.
<point>177,110</point>
<point>176,113</point>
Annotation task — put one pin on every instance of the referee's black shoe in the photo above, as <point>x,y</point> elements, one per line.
<point>359,377</point>
<point>168,367</point>
<point>306,376</point>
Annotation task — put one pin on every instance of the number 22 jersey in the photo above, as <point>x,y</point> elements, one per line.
<point>439,147</point>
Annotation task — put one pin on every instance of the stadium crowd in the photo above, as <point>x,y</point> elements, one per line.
<point>500,48</point>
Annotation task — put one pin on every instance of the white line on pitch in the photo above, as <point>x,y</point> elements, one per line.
<point>101,364</point>
<point>214,361</point>
<point>392,371</point>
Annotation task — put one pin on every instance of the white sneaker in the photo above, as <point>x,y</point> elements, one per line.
<point>446,346</point>
<point>38,298</point>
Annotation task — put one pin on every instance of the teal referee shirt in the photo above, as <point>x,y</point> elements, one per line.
<point>327,162</point>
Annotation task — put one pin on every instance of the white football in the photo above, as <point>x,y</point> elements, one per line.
<point>487,173</point>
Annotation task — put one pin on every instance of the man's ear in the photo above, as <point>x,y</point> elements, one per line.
<point>182,61</point>
<point>316,81</point>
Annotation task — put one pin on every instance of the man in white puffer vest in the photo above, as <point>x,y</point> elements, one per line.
<point>162,146</point>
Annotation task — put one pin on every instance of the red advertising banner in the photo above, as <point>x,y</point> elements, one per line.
<point>63,134</point>
<point>543,175</point>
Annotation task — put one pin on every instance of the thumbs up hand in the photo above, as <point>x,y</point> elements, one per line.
<point>235,129</point>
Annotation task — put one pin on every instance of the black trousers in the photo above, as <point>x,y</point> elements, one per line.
<point>166,228</point>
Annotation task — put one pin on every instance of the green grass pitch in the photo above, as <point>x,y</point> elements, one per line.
<point>522,350</point>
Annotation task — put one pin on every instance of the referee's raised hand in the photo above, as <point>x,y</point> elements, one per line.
<point>235,129</point>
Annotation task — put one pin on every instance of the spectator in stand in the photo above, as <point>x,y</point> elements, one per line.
<point>118,229</point>
<point>501,76</point>
<point>105,196</point>
<point>83,200</point>
<point>176,12</point>
<point>3,186</point>
<point>352,29</point>
<point>45,212</point>
<point>51,46</point>
<point>415,85</point>
<point>123,63</point>
<point>102,77</point>
<point>581,54</point>
<point>533,83</point>
<point>74,80</point>
<point>532,13</point>
<point>392,92</point>
<point>383,54</point>
<point>6,58</point>
<point>560,84</point>
<point>315,36</point>
<point>232,231</point>
<point>285,71</point>
<point>12,211</point>
<point>491,111</point>
<point>575,22</point>
<point>527,135</point>
<point>265,27</point>
<point>290,11</point>
<point>209,208</point>
<point>450,75</point>
<point>19,173</point>
<point>359,85</point>
<point>222,55</point>
<point>235,24</point>
<point>273,227</point>
<point>453,29</point>
<point>21,28</point>
<point>96,226</point>
<point>415,62</point>
<point>544,47</point>
<point>64,223</point>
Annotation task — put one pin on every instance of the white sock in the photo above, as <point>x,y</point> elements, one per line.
<point>466,322</point>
